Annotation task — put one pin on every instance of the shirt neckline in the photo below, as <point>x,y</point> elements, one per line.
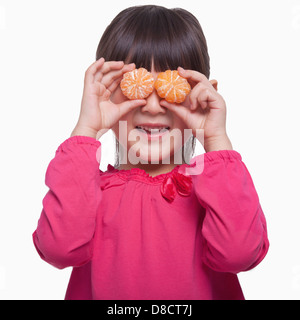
<point>141,174</point>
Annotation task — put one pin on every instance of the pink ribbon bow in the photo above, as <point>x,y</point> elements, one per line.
<point>176,182</point>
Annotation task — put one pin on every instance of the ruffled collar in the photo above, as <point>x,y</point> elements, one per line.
<point>174,182</point>
<point>140,174</point>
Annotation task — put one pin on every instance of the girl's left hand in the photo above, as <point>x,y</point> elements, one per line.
<point>205,109</point>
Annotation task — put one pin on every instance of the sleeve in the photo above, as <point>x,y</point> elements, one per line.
<point>234,227</point>
<point>64,235</point>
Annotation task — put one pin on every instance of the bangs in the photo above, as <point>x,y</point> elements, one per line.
<point>156,36</point>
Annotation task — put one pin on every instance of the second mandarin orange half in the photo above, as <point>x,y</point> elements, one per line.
<point>172,87</point>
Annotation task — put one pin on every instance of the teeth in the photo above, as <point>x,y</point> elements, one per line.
<point>153,130</point>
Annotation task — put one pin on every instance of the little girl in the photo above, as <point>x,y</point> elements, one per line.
<point>151,229</point>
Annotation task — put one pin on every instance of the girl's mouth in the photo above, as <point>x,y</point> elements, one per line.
<point>153,132</point>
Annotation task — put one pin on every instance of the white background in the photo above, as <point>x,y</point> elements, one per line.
<point>45,48</point>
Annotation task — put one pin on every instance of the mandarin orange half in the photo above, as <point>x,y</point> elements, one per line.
<point>137,84</point>
<point>172,87</point>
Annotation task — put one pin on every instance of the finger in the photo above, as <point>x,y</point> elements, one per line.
<point>128,67</point>
<point>105,95</point>
<point>179,110</point>
<point>194,77</point>
<point>114,85</point>
<point>108,67</point>
<point>112,65</point>
<point>203,96</point>
<point>129,105</point>
<point>110,77</point>
<point>92,69</point>
<point>115,78</point>
<point>194,95</point>
<point>193,100</point>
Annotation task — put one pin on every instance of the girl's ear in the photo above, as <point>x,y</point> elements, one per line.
<point>214,84</point>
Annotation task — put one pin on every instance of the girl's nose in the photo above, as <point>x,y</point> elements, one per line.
<point>153,104</point>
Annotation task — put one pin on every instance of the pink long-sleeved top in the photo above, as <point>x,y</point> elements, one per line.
<point>128,235</point>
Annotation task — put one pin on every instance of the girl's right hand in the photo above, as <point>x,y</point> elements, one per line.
<point>98,113</point>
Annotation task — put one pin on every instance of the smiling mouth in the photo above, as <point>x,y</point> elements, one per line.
<point>153,130</point>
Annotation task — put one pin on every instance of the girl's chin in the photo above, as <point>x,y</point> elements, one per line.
<point>154,154</point>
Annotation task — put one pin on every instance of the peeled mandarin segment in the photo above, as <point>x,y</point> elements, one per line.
<point>172,87</point>
<point>137,84</point>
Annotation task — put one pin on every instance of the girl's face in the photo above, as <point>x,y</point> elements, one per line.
<point>150,133</point>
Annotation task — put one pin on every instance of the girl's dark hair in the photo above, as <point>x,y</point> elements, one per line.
<point>166,38</point>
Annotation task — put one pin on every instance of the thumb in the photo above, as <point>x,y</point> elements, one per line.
<point>179,110</point>
<point>129,105</point>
